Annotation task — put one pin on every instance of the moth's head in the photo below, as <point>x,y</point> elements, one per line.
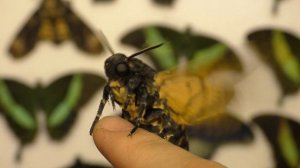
<point>117,66</point>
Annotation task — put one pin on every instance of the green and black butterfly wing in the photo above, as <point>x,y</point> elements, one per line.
<point>200,51</point>
<point>17,104</point>
<point>165,57</point>
<point>55,21</point>
<point>279,50</point>
<point>63,98</point>
<point>284,137</point>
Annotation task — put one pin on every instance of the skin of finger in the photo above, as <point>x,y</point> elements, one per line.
<point>142,149</point>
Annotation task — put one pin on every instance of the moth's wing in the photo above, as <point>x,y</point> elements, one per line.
<point>63,98</point>
<point>165,57</point>
<point>281,52</point>
<point>192,99</point>
<point>83,36</point>
<point>207,136</point>
<point>207,55</point>
<point>17,104</point>
<point>284,137</point>
<point>26,39</point>
<point>221,128</point>
<point>80,164</point>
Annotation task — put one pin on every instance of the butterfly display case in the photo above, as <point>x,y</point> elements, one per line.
<point>236,64</point>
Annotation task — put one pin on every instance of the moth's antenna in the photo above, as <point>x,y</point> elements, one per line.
<point>105,42</point>
<point>145,50</point>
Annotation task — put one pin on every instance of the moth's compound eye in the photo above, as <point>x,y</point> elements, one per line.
<point>106,64</point>
<point>122,69</point>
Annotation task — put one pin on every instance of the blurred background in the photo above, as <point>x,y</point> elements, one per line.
<point>51,75</point>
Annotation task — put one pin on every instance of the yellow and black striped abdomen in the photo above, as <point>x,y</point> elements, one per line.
<point>157,117</point>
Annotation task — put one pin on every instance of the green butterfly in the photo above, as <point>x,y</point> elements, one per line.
<point>284,137</point>
<point>60,101</point>
<point>203,56</point>
<point>280,50</point>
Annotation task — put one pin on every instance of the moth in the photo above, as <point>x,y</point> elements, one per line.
<point>279,50</point>
<point>60,100</point>
<point>202,72</point>
<point>131,85</point>
<point>55,21</point>
<point>169,101</point>
<point>282,134</point>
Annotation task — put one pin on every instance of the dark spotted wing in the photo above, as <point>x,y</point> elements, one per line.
<point>83,36</point>
<point>55,21</point>
<point>26,39</point>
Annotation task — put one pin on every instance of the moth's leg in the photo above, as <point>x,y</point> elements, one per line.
<point>112,100</point>
<point>106,95</point>
<point>131,86</point>
<point>142,104</point>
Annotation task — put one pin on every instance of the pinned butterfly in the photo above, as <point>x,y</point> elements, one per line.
<point>61,101</point>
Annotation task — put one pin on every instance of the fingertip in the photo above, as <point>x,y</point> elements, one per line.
<point>111,138</point>
<point>106,126</point>
<point>112,123</point>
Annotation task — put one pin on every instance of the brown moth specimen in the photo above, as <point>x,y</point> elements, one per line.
<point>55,21</point>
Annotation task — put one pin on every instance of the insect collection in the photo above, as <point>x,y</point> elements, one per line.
<point>177,83</point>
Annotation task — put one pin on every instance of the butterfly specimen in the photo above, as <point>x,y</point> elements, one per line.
<point>193,76</point>
<point>160,2</point>
<point>96,1</point>
<point>54,20</point>
<point>164,2</point>
<point>80,164</point>
<point>280,50</point>
<point>283,135</point>
<point>60,101</point>
<point>169,101</point>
